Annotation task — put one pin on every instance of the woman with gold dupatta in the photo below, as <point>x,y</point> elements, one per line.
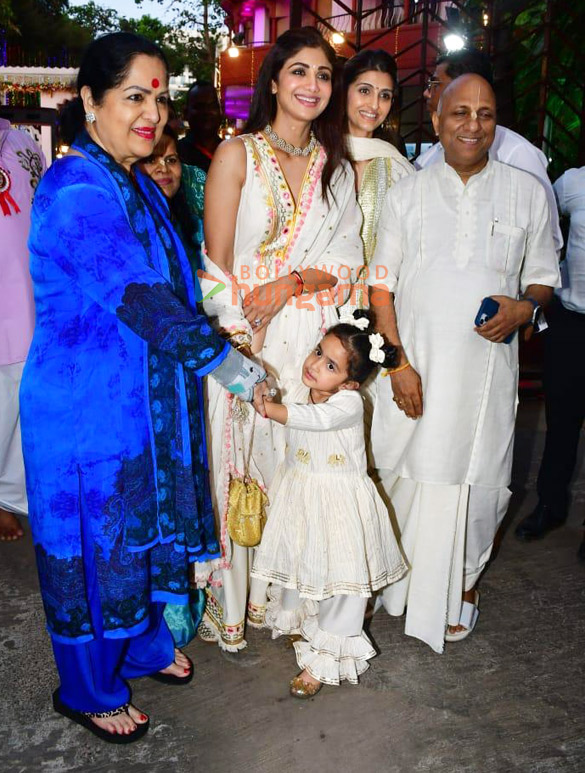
<point>370,84</point>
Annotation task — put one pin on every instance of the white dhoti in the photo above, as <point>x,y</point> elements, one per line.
<point>12,480</point>
<point>445,560</point>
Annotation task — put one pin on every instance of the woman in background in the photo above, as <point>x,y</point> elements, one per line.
<point>370,84</point>
<point>369,81</point>
<point>183,187</point>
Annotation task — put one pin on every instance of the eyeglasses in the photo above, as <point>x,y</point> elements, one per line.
<point>431,84</point>
<point>162,161</point>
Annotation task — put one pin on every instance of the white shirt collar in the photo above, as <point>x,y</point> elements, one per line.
<point>450,173</point>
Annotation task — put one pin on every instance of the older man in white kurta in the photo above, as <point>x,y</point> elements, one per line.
<point>443,425</point>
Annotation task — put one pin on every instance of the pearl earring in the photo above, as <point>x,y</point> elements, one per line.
<point>90,117</point>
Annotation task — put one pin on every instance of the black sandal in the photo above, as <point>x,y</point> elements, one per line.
<point>171,678</point>
<point>84,718</point>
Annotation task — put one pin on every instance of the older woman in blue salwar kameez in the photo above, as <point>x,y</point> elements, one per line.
<point>111,399</point>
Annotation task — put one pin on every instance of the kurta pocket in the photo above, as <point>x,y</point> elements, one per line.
<point>506,247</point>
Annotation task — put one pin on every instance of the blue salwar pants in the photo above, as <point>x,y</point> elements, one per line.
<point>93,674</point>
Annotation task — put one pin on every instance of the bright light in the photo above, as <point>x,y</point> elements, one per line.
<point>63,148</point>
<point>486,19</point>
<point>454,42</point>
<point>230,130</point>
<point>233,51</point>
<point>337,39</point>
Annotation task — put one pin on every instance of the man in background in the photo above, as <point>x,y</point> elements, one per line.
<point>204,116</point>
<point>21,167</point>
<point>564,372</point>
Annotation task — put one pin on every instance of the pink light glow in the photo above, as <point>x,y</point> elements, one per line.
<point>237,101</point>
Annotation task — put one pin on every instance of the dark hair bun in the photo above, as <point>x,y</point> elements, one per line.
<point>356,342</point>
<point>391,355</point>
<point>71,119</point>
<point>365,314</point>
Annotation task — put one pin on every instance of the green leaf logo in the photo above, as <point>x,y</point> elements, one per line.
<point>214,290</point>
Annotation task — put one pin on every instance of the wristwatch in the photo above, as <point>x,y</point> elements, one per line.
<point>536,312</point>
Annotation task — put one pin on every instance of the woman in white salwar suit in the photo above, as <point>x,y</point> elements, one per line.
<point>370,85</point>
<point>282,232</point>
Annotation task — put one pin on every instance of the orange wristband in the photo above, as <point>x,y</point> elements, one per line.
<point>300,288</point>
<point>397,370</point>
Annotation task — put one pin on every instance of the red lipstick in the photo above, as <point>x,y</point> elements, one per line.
<point>146,132</point>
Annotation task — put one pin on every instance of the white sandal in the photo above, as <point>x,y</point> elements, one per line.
<point>467,618</point>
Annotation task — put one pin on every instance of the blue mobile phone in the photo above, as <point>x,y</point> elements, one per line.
<point>487,310</point>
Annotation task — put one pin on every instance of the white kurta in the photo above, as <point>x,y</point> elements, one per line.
<point>513,149</point>
<point>570,191</point>
<point>274,235</point>
<point>442,247</point>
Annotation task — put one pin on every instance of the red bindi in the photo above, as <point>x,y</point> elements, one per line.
<point>155,83</point>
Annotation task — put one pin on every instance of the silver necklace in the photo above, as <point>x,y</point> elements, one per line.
<point>285,146</point>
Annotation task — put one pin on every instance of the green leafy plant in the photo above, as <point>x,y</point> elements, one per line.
<point>195,34</point>
<point>538,57</point>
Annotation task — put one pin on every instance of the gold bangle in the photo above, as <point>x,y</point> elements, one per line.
<point>397,370</point>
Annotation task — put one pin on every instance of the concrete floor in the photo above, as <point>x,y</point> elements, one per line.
<point>509,698</point>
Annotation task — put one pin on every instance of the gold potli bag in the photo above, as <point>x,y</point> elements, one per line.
<point>246,512</point>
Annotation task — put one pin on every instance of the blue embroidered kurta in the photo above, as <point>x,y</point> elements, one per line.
<point>111,399</point>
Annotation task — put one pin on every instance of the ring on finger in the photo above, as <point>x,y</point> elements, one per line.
<point>257,322</point>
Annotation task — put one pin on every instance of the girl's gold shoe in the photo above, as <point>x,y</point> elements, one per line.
<point>301,689</point>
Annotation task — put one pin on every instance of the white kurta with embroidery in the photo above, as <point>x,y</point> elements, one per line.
<point>329,532</point>
<point>274,235</point>
<point>442,247</point>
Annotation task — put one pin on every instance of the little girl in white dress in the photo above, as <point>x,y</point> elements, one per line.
<point>328,544</point>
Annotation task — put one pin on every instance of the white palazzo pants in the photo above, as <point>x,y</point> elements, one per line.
<point>12,481</point>
<point>336,648</point>
<point>447,534</point>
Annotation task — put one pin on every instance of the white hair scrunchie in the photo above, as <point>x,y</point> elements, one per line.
<point>377,351</point>
<point>346,317</point>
